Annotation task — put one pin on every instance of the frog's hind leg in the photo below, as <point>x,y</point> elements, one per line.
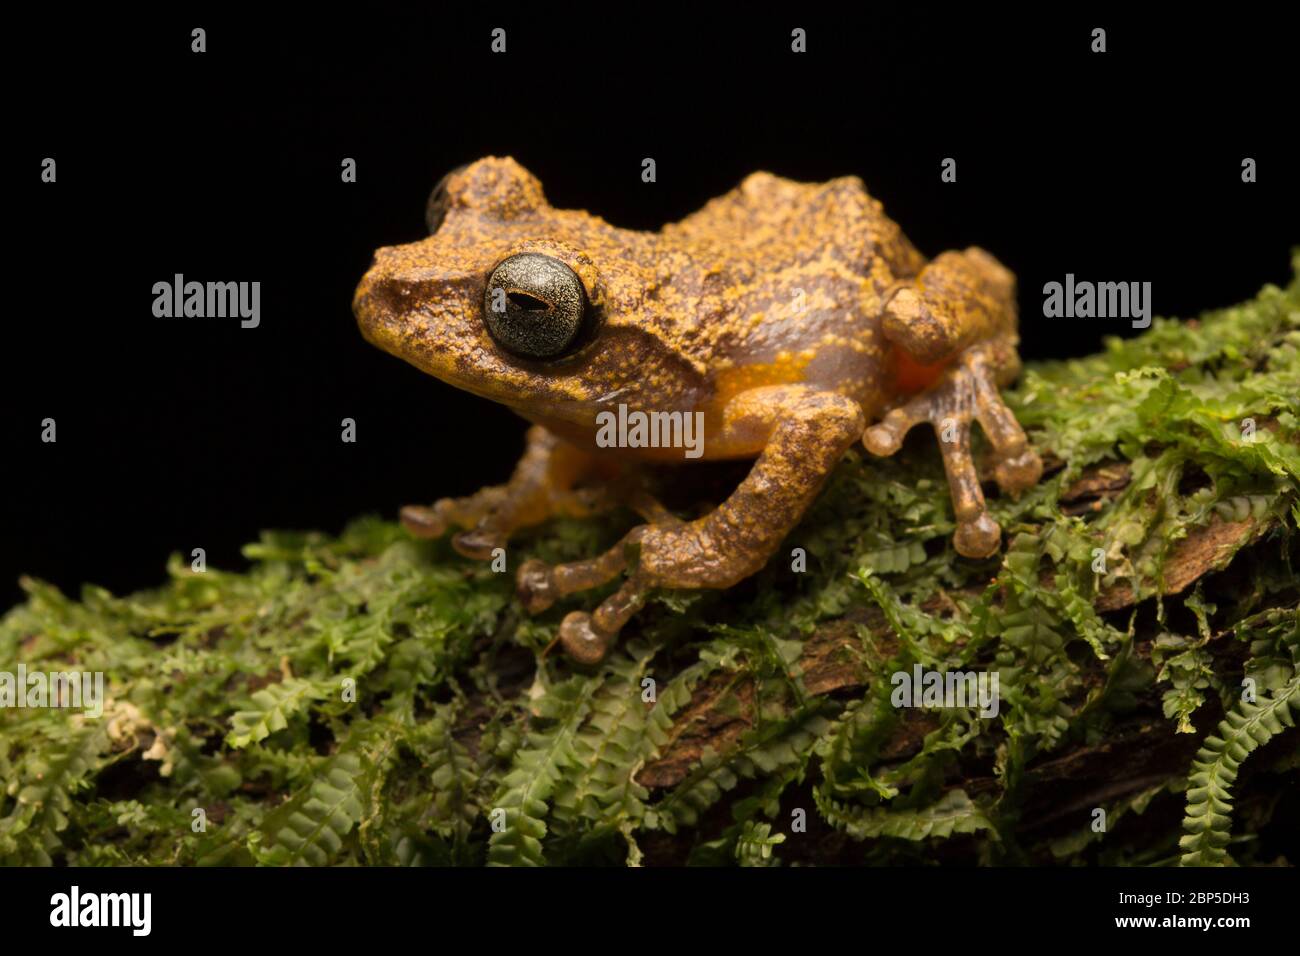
<point>544,484</point>
<point>959,314</point>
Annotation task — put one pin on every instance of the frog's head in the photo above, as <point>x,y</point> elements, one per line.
<point>545,310</point>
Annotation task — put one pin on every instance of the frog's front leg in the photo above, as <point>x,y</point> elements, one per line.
<point>808,432</point>
<point>961,310</point>
<point>544,484</point>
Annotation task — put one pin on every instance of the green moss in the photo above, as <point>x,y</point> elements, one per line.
<point>367,698</point>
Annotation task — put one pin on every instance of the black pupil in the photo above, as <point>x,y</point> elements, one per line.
<point>527,302</point>
<point>534,306</point>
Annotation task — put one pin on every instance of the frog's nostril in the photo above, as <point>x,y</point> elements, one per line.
<point>395,297</point>
<point>380,299</point>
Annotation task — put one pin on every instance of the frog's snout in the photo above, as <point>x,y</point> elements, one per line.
<point>418,307</point>
<point>376,303</point>
<point>393,295</point>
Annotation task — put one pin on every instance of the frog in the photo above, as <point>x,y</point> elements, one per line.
<point>793,319</point>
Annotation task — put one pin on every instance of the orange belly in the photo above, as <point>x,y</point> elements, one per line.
<point>910,375</point>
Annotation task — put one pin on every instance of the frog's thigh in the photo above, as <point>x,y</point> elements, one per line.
<point>969,389</point>
<point>541,486</point>
<point>956,300</point>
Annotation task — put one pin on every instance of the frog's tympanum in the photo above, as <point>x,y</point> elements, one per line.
<point>790,315</point>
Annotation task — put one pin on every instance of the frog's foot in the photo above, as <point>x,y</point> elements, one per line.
<point>810,431</point>
<point>433,521</point>
<point>968,389</point>
<point>490,516</point>
<point>542,486</point>
<point>585,637</point>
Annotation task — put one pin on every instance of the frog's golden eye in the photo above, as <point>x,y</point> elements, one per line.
<point>535,306</point>
<point>439,202</point>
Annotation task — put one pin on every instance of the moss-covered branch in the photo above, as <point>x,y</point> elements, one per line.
<point>368,698</point>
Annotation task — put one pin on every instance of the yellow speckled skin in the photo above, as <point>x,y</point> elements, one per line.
<point>789,314</point>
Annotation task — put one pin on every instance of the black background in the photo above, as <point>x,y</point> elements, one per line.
<point>175,434</point>
<point>349,906</point>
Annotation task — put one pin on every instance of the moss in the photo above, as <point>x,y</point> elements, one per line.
<point>367,698</point>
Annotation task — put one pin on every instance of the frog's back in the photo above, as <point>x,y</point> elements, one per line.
<point>807,266</point>
<point>778,223</point>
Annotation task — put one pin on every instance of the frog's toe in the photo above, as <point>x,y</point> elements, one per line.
<point>1019,472</point>
<point>478,543</point>
<point>582,640</point>
<point>943,405</point>
<point>423,522</point>
<point>978,537</point>
<point>535,586</point>
<point>886,436</point>
<point>1017,466</point>
<point>587,637</point>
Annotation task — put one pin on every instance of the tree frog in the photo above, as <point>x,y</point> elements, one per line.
<point>793,319</point>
